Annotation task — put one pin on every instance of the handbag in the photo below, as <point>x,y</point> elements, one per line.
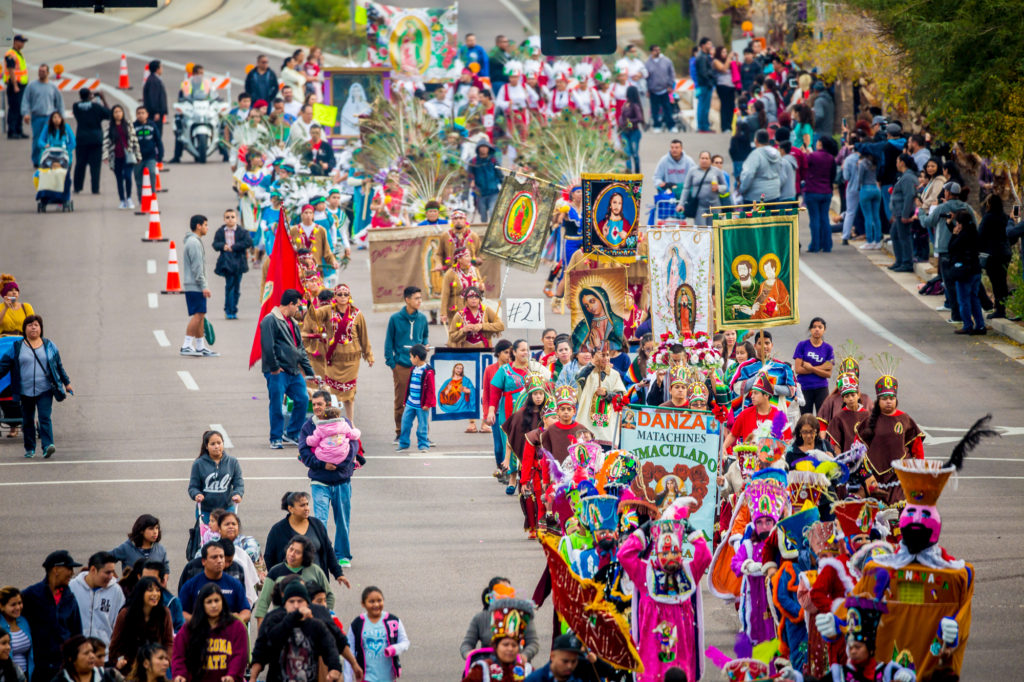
<point>693,202</point>
<point>130,158</point>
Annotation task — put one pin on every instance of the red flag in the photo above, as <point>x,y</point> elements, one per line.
<point>282,274</point>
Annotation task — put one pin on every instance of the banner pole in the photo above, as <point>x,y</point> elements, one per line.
<point>531,177</point>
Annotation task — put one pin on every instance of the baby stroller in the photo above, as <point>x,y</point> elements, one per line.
<point>53,181</point>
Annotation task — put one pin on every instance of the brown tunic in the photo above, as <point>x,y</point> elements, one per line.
<point>316,242</point>
<point>834,404</point>
<point>457,334</point>
<point>445,256</point>
<point>896,436</point>
<point>557,438</point>
<point>350,342</point>
<point>455,282</point>
<point>842,430</point>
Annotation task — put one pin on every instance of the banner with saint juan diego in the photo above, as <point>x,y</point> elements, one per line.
<point>757,258</point>
<point>611,214</point>
<point>521,221</point>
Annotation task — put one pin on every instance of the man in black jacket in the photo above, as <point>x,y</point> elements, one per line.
<point>320,157</point>
<point>705,85</point>
<point>151,146</point>
<point>291,645</point>
<point>233,243</point>
<point>284,363</point>
<point>52,614</point>
<point>90,116</point>
<point>154,98</point>
<point>261,82</point>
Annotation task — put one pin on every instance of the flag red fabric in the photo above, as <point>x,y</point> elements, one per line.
<point>282,274</point>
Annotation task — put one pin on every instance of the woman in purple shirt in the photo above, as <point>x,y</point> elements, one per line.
<point>812,362</point>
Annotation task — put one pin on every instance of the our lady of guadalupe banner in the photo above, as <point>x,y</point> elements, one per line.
<point>677,451</point>
<point>679,262</point>
<point>611,214</point>
<point>597,307</point>
<point>418,43</point>
<point>521,221</point>
<point>756,269</point>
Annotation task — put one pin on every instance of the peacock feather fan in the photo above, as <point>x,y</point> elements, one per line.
<point>568,145</point>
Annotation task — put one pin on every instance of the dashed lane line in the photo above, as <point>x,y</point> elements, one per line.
<point>150,266</point>
<point>254,478</point>
<point>161,338</point>
<point>153,299</point>
<point>256,458</point>
<point>186,378</point>
<point>224,434</point>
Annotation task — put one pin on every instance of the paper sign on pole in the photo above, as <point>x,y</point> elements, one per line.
<point>325,114</point>
<point>524,313</point>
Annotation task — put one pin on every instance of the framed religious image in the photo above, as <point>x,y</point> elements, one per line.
<point>611,214</point>
<point>597,308</point>
<point>756,270</point>
<point>679,262</point>
<point>351,91</point>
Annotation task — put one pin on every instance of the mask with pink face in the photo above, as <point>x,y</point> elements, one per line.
<point>920,527</point>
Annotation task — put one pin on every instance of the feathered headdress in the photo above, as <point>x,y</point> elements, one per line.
<point>849,358</point>
<point>886,364</point>
<point>922,480</point>
<point>513,67</point>
<point>583,71</point>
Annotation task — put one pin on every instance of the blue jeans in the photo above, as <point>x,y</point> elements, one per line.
<point>294,386</point>
<point>821,228</point>
<point>338,497</point>
<point>232,289</point>
<point>704,108</point>
<point>485,204</point>
<point>852,202</point>
<point>29,404</point>
<point>870,198</point>
<point>499,444</point>
<point>902,243</point>
<point>970,304</point>
<point>123,176</point>
<point>886,193</point>
<point>421,416</point>
<point>631,148</point>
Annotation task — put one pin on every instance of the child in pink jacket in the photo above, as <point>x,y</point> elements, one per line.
<point>330,440</point>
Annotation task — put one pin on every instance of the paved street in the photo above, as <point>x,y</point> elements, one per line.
<point>430,531</point>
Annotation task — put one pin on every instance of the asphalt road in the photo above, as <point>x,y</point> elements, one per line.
<point>430,531</point>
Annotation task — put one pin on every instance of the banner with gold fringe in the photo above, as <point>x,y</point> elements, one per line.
<point>611,214</point>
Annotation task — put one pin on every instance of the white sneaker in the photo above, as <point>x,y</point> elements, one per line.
<point>122,204</point>
<point>878,246</point>
<point>674,129</point>
<point>207,353</point>
<point>867,246</point>
<point>130,204</point>
<point>190,351</point>
<point>655,129</point>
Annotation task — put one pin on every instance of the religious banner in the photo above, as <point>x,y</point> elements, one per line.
<point>611,214</point>
<point>521,221</point>
<point>351,91</point>
<point>677,451</point>
<point>458,373</point>
<point>679,262</point>
<point>597,307</point>
<point>581,604</point>
<point>756,269</point>
<point>404,256</point>
<point>416,43</point>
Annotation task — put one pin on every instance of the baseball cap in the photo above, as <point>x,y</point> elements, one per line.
<point>893,129</point>
<point>952,187</point>
<point>61,557</point>
<point>567,642</point>
<point>18,36</point>
<point>878,120</point>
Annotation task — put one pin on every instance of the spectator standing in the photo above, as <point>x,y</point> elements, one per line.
<point>824,110</point>
<point>196,288</point>
<point>154,99</point>
<point>917,146</point>
<point>966,273</point>
<point>661,80</point>
<point>868,198</point>
<point>471,53</point>
<point>631,123</point>
<point>15,81</point>
<point>261,82</point>
<point>232,243</point>
<point>725,86</point>
<point>851,178</point>
<point>329,483</point>
<point>902,208</point>
<point>812,360</point>
<point>994,242</point>
<point>938,223</point>
<point>704,85</point>
<point>496,60</point>
<point>216,481</point>
<point>39,100</point>
<point>213,572</point>
<point>52,614</point>
<point>700,190</point>
<point>299,522</point>
<point>15,626</point>
<point>121,149</point>
<point>151,146</point>
<point>886,152</point>
<point>485,180</point>
<point>819,178</point>
<point>37,378</point>
<point>750,69</point>
<point>99,596</point>
<point>420,396</point>
<point>144,620</point>
<point>406,328</point>
<point>671,171</point>
<point>90,115</point>
<point>760,179</point>
<point>143,543</point>
<point>284,362</point>
<point>214,628</point>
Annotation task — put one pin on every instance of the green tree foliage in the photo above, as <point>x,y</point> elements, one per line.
<point>966,61</point>
<point>308,12</point>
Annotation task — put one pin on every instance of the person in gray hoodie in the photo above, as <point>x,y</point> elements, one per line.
<point>760,178</point>
<point>99,596</point>
<point>935,223</point>
<point>216,481</point>
<point>193,276</point>
<point>901,205</point>
<point>672,169</point>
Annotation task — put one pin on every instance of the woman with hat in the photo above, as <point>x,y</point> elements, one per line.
<point>12,316</point>
<point>342,327</point>
<point>456,281</point>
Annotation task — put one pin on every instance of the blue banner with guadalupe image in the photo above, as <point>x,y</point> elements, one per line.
<point>458,373</point>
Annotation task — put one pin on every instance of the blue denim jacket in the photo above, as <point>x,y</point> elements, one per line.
<point>58,377</point>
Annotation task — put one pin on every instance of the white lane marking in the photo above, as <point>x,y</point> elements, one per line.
<point>150,267</point>
<point>256,458</point>
<point>223,432</point>
<point>259,478</point>
<point>161,338</point>
<point>187,379</point>
<point>862,317</point>
<point>154,300</point>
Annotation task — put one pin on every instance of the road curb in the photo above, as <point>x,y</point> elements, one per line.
<point>925,271</point>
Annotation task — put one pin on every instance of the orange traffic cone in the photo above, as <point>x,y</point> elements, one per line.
<point>160,167</point>
<point>155,235</point>
<point>156,182</point>
<point>122,80</point>
<point>173,278</point>
<point>146,200</point>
